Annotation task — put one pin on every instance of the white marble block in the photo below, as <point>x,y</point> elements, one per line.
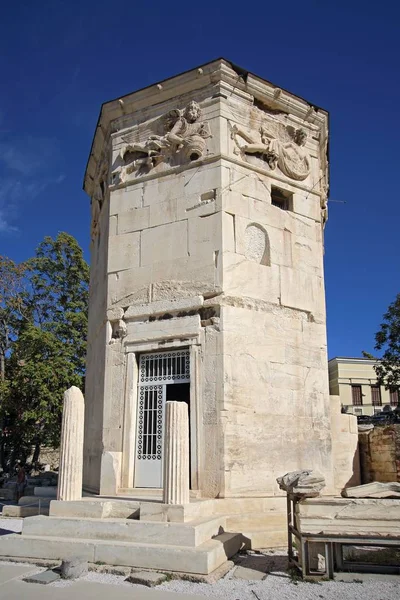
<point>176,453</point>
<point>71,447</point>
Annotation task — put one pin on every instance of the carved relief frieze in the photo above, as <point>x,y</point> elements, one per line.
<point>182,140</point>
<point>100,189</point>
<point>276,144</point>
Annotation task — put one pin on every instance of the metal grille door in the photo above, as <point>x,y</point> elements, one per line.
<point>156,371</point>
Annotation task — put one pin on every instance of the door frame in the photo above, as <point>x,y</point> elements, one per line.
<point>133,352</point>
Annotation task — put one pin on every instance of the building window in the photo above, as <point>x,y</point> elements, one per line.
<point>376,395</point>
<point>358,411</point>
<point>281,198</point>
<point>394,396</point>
<point>356,395</point>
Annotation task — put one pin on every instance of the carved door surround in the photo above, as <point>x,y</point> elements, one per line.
<point>132,402</point>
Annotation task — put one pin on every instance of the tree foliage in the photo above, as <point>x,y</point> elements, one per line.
<point>47,347</point>
<point>11,304</point>
<point>387,339</point>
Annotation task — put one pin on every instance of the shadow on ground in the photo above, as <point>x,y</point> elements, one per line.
<point>270,564</point>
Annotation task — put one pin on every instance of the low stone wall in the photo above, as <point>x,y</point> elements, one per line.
<point>380,454</point>
<point>48,456</point>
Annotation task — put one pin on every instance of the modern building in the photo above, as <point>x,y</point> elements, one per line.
<point>354,380</point>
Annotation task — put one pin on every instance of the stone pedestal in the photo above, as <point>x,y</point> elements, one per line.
<point>71,447</point>
<point>176,453</point>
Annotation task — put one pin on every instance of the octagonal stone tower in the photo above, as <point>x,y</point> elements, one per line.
<point>208,203</point>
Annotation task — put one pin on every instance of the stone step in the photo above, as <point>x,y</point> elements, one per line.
<point>203,559</point>
<point>190,534</point>
<point>177,513</point>
<point>138,493</point>
<point>149,493</point>
<point>45,491</point>
<point>34,501</point>
<point>99,509</point>
<point>24,511</point>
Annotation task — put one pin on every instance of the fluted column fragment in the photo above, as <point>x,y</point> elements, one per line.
<point>71,447</point>
<point>176,454</point>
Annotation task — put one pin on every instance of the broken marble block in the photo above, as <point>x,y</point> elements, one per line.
<point>376,489</point>
<point>306,483</point>
<point>73,568</point>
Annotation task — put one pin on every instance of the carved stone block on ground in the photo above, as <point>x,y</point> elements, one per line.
<point>73,568</point>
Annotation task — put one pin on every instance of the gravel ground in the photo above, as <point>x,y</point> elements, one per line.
<point>276,585</point>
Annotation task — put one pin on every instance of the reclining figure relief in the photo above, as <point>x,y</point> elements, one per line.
<point>184,135</point>
<point>282,148</point>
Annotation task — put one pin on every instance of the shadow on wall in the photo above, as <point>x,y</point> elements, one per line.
<point>356,477</point>
<point>346,456</point>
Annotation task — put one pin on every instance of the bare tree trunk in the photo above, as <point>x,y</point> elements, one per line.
<point>2,366</point>
<point>36,454</point>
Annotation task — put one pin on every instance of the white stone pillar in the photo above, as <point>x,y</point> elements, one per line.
<point>176,454</point>
<point>71,447</point>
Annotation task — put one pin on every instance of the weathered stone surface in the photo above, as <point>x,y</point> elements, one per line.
<point>34,501</point>
<point>110,473</point>
<point>123,251</point>
<point>349,516</point>
<point>24,511</point>
<point>164,306</point>
<point>147,578</point>
<point>170,513</point>
<point>373,490</point>
<point>380,454</point>
<point>73,568</point>
<point>345,447</point>
<point>43,578</point>
<point>80,508</point>
<point>45,491</point>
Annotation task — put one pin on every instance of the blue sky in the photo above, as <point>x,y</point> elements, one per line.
<point>61,59</point>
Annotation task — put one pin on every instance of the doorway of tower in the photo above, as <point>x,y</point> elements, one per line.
<point>163,376</point>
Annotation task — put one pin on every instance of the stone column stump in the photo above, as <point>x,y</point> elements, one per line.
<point>176,454</point>
<point>71,447</point>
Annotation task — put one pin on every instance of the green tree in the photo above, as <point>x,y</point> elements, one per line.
<point>47,355</point>
<point>11,304</point>
<point>387,339</point>
<point>11,313</point>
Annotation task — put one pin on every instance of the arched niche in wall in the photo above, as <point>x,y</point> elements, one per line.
<point>257,247</point>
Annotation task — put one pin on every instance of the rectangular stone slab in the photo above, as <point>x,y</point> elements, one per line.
<point>191,534</point>
<point>203,559</point>
<point>44,578</point>
<point>376,489</point>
